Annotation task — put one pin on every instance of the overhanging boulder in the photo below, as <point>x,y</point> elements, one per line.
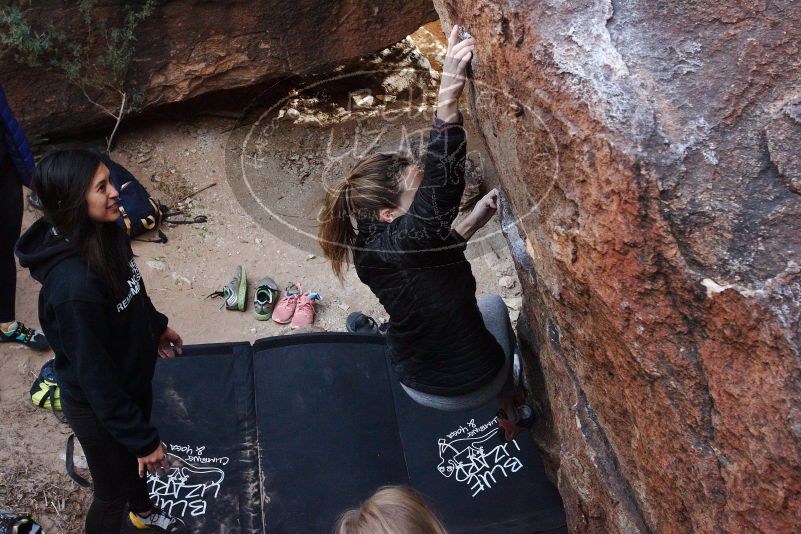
<point>650,154</point>
<point>187,48</point>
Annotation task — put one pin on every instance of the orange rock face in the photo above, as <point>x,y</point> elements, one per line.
<point>187,48</point>
<point>649,152</point>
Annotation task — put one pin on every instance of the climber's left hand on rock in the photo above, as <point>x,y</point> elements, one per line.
<point>454,67</point>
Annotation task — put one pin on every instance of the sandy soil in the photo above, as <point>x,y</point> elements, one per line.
<point>174,157</point>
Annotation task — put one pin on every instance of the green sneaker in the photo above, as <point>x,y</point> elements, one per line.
<point>234,293</point>
<point>265,297</point>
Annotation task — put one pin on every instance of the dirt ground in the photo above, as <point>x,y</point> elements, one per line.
<point>174,157</point>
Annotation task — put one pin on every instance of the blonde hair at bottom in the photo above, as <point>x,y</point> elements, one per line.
<point>391,510</point>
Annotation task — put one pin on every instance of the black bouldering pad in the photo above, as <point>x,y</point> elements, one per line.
<point>328,435</point>
<point>476,483</point>
<point>204,410</point>
<point>286,435</point>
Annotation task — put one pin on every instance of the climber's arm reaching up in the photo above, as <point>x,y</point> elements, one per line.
<point>453,76</point>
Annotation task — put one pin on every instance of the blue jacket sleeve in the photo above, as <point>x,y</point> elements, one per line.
<point>17,143</point>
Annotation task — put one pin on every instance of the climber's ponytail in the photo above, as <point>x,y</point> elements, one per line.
<point>336,234</point>
<point>373,184</point>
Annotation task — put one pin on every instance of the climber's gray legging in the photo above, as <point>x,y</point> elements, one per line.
<point>496,319</point>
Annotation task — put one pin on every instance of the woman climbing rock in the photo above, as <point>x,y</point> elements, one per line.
<point>449,351</point>
<point>105,333</point>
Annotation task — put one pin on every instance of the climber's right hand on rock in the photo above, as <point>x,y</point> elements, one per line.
<point>484,209</point>
<point>454,67</point>
<point>481,214</point>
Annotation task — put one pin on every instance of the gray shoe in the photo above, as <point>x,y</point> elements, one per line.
<point>265,297</point>
<point>234,293</point>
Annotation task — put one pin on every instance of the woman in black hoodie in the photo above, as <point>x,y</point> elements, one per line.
<point>105,333</point>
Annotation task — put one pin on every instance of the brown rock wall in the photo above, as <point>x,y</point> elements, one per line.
<point>647,152</point>
<point>191,47</point>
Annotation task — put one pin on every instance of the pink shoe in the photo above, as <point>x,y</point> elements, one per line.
<point>304,313</point>
<point>285,308</point>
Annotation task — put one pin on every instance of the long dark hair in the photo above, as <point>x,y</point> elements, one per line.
<point>61,182</point>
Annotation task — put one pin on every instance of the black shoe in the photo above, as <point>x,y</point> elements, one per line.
<point>359,323</point>
<point>27,336</point>
<point>508,431</point>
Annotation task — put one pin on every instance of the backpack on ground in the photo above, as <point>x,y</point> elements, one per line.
<point>140,212</point>
<point>18,524</point>
<point>44,391</point>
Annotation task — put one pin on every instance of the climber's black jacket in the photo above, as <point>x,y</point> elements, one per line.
<point>105,347</point>
<point>416,266</point>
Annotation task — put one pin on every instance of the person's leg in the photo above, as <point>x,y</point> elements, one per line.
<point>139,501</point>
<point>496,319</point>
<point>104,516</point>
<point>468,401</point>
<point>10,226</point>
<point>146,515</point>
<point>111,465</point>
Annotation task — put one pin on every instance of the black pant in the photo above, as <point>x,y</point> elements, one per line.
<point>114,471</point>
<point>10,225</point>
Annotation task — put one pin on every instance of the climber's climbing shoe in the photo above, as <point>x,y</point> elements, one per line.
<point>508,430</point>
